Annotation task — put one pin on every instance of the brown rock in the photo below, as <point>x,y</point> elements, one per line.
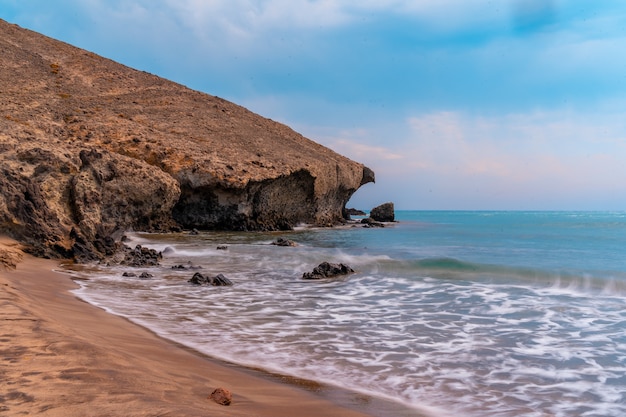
<point>221,396</point>
<point>90,148</point>
<point>10,257</point>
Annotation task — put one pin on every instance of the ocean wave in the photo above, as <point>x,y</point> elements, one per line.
<point>606,282</point>
<point>465,322</point>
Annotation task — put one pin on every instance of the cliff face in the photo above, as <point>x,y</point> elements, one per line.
<point>90,148</point>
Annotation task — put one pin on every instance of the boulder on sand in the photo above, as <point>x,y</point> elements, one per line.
<point>221,396</point>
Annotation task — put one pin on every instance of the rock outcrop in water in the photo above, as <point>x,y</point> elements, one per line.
<point>383,213</point>
<point>284,242</point>
<point>90,148</point>
<point>141,256</point>
<point>328,270</point>
<point>218,280</point>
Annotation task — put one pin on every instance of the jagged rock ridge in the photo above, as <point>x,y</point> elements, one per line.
<point>90,148</point>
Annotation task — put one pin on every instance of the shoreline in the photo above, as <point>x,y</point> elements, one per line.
<point>63,356</point>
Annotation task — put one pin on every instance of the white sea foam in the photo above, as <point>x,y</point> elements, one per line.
<point>473,347</point>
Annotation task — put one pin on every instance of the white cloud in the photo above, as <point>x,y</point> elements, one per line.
<point>246,19</point>
<point>235,43</point>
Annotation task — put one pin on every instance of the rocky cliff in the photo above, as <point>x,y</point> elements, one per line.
<point>90,148</point>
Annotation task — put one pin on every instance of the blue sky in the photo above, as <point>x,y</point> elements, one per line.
<point>455,104</point>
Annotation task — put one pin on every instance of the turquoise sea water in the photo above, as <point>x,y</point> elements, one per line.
<point>451,313</point>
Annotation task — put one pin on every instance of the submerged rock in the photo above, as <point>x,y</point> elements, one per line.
<point>284,242</point>
<point>217,281</point>
<point>143,275</point>
<point>168,250</point>
<point>369,222</point>
<point>328,270</point>
<point>185,267</point>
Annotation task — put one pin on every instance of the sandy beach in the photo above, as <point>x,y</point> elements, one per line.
<point>64,357</point>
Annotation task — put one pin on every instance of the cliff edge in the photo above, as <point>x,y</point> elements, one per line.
<point>90,148</point>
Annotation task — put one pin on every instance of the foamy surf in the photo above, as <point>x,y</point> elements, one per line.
<point>455,334</point>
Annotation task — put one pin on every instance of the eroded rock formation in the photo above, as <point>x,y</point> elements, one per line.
<point>90,148</point>
<point>383,213</point>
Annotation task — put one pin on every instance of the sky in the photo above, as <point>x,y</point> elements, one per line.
<point>455,104</point>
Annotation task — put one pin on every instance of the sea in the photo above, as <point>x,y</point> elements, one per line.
<point>472,313</point>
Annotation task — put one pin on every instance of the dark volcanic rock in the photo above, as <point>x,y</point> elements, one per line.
<point>141,256</point>
<point>369,222</point>
<point>355,212</point>
<point>327,270</point>
<point>284,242</point>
<point>383,213</point>
<point>217,281</point>
<point>189,266</point>
<point>90,148</point>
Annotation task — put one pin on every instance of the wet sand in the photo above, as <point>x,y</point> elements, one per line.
<point>60,356</point>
